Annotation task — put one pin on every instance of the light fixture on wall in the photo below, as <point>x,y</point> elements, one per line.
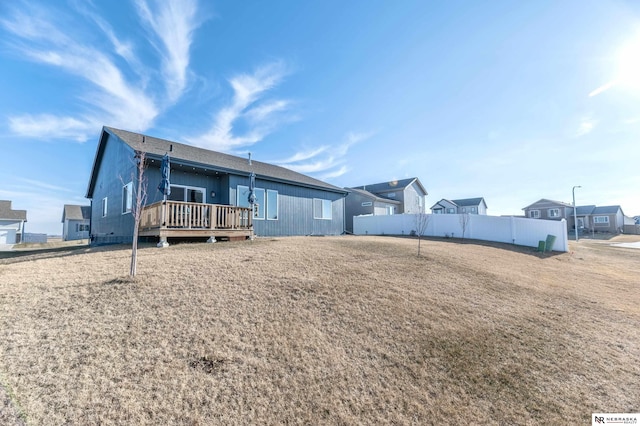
<point>213,194</point>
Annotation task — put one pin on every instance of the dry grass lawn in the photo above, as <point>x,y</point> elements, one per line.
<point>333,330</point>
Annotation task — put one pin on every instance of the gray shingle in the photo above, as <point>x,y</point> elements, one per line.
<point>7,213</point>
<point>218,160</point>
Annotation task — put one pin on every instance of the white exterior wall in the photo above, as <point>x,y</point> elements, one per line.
<point>512,230</point>
<point>9,230</point>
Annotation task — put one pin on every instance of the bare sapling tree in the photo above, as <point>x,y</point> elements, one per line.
<point>140,198</point>
<point>464,222</point>
<point>422,220</point>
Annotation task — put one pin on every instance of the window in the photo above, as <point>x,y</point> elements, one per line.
<point>104,207</point>
<point>601,219</point>
<point>265,204</point>
<point>321,209</point>
<point>451,211</point>
<point>554,212</point>
<point>80,227</point>
<point>272,205</point>
<point>242,195</point>
<point>367,203</point>
<point>535,214</point>
<point>191,194</point>
<point>473,209</point>
<point>127,198</point>
<point>464,210</point>
<point>391,195</point>
<point>259,205</point>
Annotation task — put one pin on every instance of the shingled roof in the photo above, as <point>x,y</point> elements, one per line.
<point>373,196</point>
<point>7,213</point>
<point>394,185</point>
<point>156,147</point>
<point>75,212</point>
<point>468,202</point>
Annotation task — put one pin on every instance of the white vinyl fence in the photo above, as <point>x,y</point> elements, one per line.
<point>513,230</point>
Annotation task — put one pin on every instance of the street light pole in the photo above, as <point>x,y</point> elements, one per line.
<point>575,214</point>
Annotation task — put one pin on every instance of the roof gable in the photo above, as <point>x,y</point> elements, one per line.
<point>76,212</point>
<point>545,203</point>
<point>6,212</point>
<point>156,147</point>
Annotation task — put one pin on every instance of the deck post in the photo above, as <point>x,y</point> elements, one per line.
<point>163,243</point>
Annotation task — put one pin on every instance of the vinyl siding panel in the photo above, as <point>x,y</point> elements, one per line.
<point>295,209</point>
<point>354,207</point>
<point>116,169</point>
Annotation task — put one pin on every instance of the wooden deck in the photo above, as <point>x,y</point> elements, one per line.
<point>181,219</point>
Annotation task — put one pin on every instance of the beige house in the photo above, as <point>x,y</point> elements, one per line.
<point>590,218</point>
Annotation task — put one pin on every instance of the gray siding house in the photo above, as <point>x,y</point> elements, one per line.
<point>467,205</point>
<point>11,223</point>
<point>209,192</point>
<point>590,217</point>
<point>409,192</point>
<point>76,222</point>
<point>360,202</point>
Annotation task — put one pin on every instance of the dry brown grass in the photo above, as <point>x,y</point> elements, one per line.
<point>334,330</point>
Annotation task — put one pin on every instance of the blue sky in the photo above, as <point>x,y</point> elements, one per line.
<point>511,101</point>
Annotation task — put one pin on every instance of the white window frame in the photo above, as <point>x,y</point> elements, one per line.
<point>534,214</point>
<point>553,212</point>
<point>260,204</point>
<point>323,209</point>
<point>105,209</point>
<point>367,204</point>
<point>451,210</point>
<point>270,204</point>
<point>601,220</point>
<point>391,210</point>
<point>127,198</point>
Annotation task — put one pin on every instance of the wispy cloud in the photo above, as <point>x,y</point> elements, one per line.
<point>172,24</point>
<point>43,185</point>
<point>38,33</point>
<point>245,108</point>
<point>327,161</point>
<point>586,126</point>
<point>602,88</point>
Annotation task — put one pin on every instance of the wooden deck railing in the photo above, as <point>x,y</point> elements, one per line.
<point>182,215</point>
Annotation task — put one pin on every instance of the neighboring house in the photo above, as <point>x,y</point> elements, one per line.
<point>590,217</point>
<point>76,222</point>
<point>409,192</point>
<point>360,202</point>
<point>467,205</point>
<point>209,194</point>
<point>11,223</point>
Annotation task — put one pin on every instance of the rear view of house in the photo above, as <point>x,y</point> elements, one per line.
<point>208,194</point>
<point>467,205</point>
<point>76,222</point>
<point>11,223</point>
<point>590,218</point>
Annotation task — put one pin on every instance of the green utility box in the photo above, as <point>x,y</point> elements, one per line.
<point>541,245</point>
<point>551,240</point>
